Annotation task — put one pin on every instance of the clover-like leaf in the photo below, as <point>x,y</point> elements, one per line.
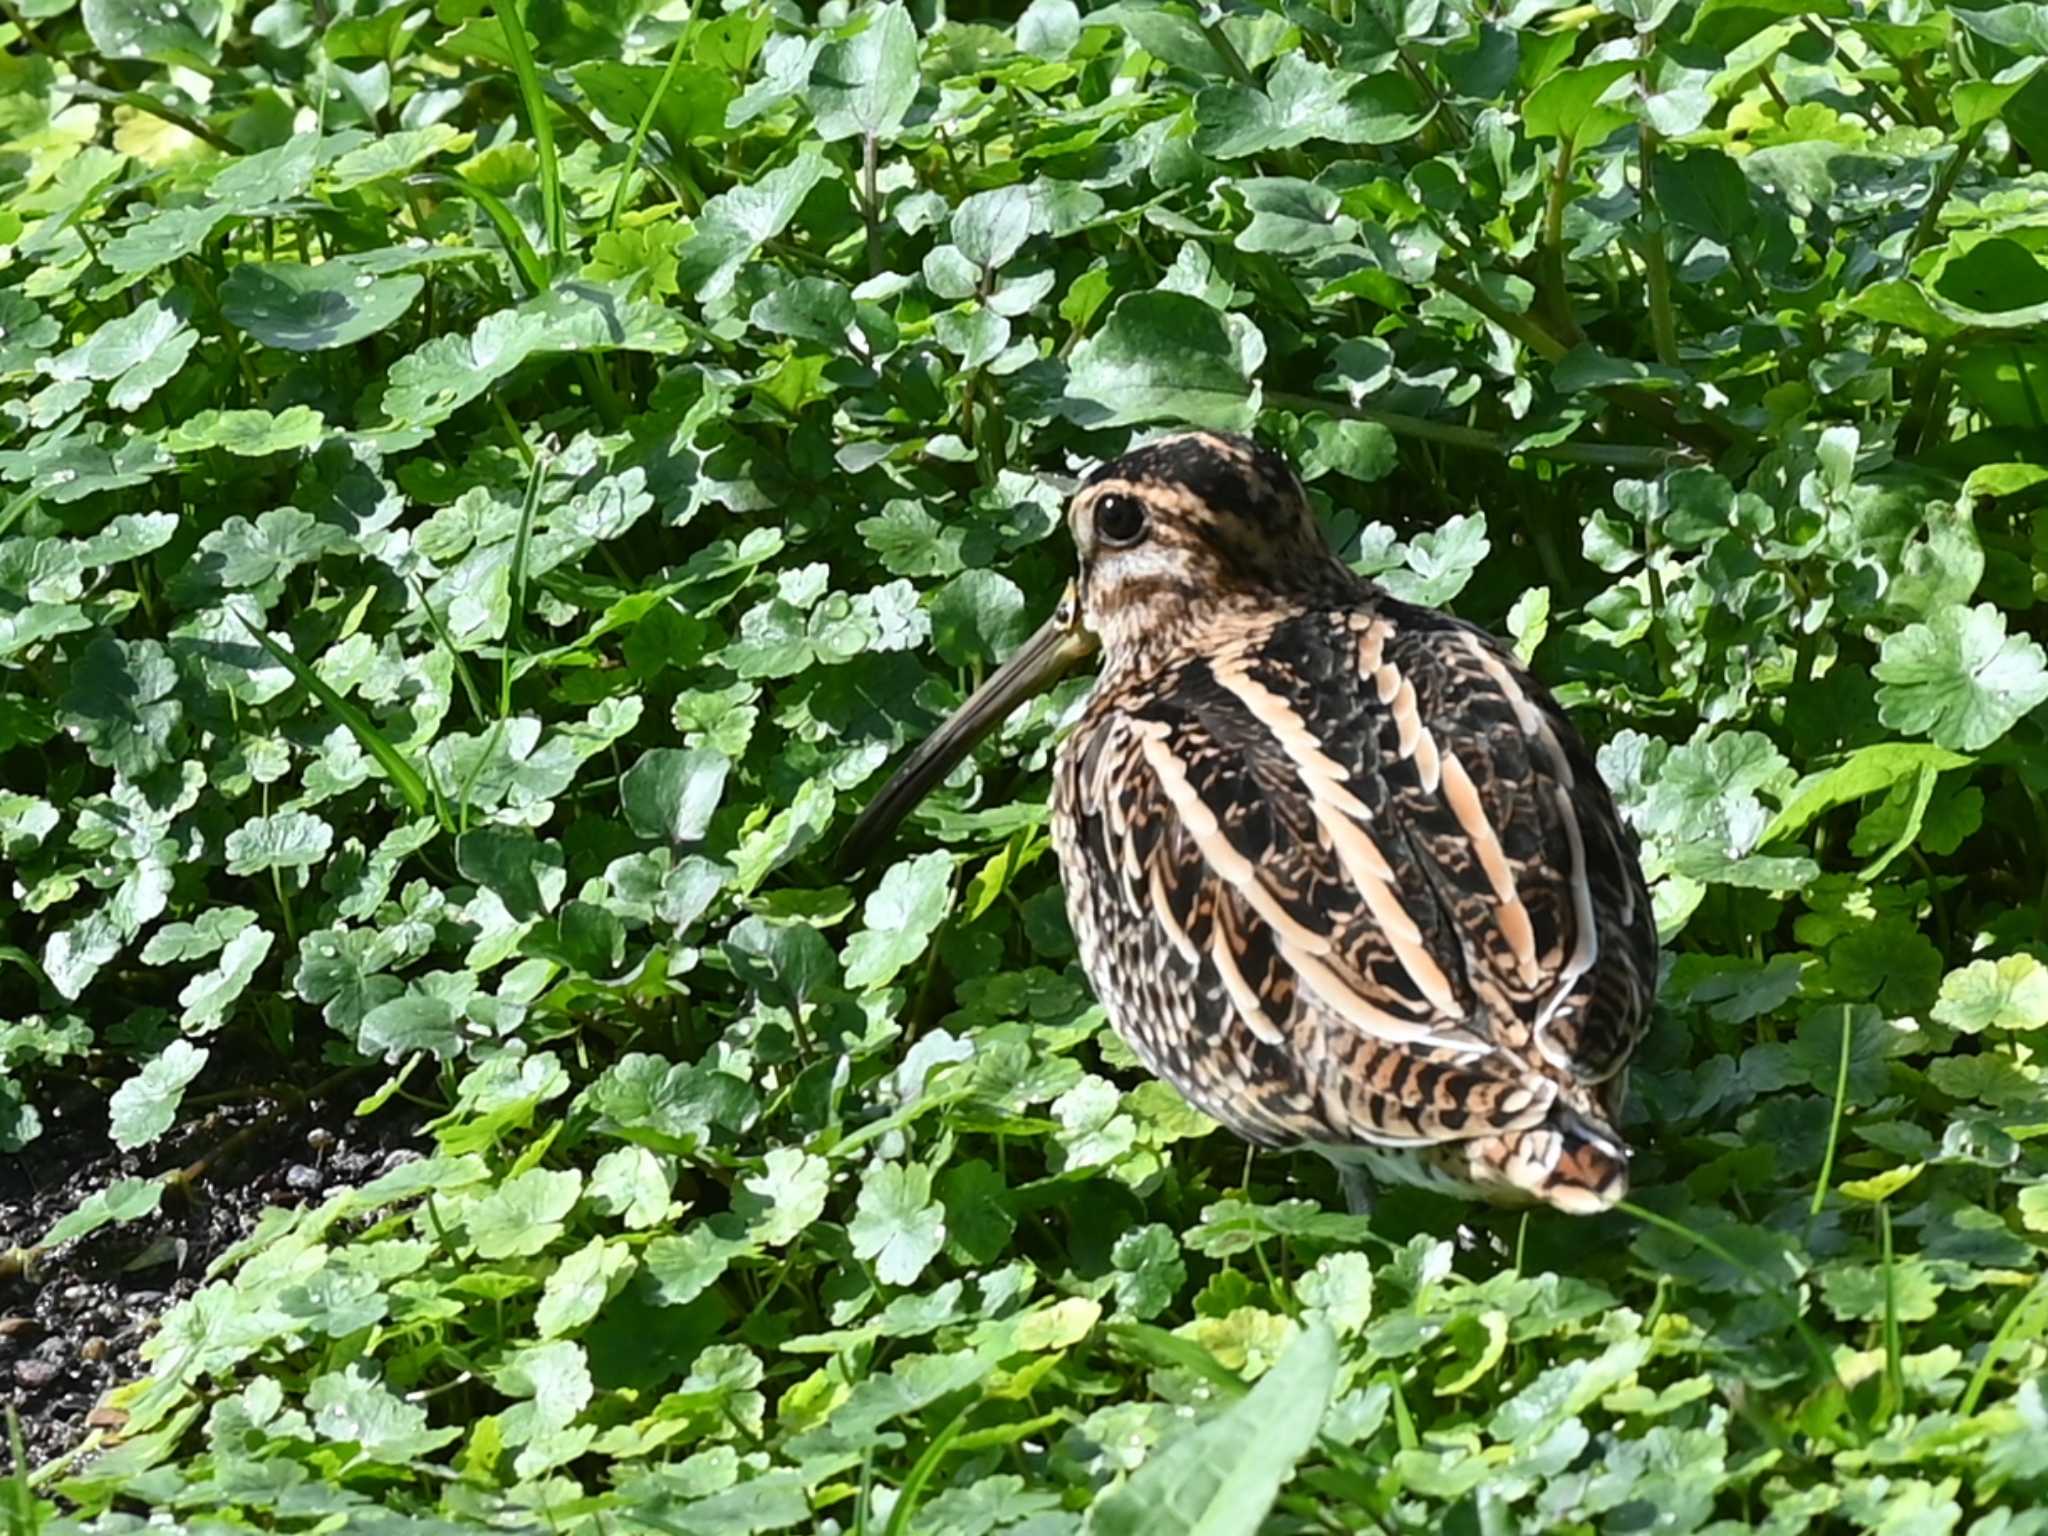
<point>143,1107</point>
<point>288,840</point>
<point>524,1214</point>
<point>1960,678</point>
<point>670,795</point>
<point>897,1225</point>
<point>900,918</point>
<point>2007,993</point>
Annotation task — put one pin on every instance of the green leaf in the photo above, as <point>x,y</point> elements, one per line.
<point>977,617</point>
<point>864,85</point>
<point>786,1198</point>
<point>1572,106</point>
<point>1149,1271</point>
<point>897,1225</point>
<point>136,354</point>
<point>313,309</point>
<point>670,795</point>
<point>1162,356</point>
<point>143,1107</point>
<point>811,309</point>
<point>1223,1475</point>
<point>1960,678</point>
<point>1704,190</point>
<point>2007,993</point>
<point>1997,283</point>
<point>355,1407</point>
<point>1978,101</point>
<point>288,840</point>
<point>162,31</point>
<point>580,1286</point>
<point>249,434</point>
<point>523,1215</point>
<point>737,223</point>
<point>991,227</point>
<point>122,1200</point>
<point>207,998</point>
<point>1304,100</point>
<point>1866,771</point>
<point>901,916</point>
<point>683,1268</point>
<point>122,704</point>
<point>416,1021</point>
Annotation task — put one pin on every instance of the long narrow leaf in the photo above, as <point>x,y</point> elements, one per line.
<point>646,123</point>
<point>513,21</point>
<point>511,234</point>
<point>408,779</point>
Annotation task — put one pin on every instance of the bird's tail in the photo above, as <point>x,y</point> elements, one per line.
<point>1571,1160</point>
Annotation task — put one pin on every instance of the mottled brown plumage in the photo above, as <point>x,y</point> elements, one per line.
<point>1339,868</point>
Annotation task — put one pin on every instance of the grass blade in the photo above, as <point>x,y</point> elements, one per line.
<point>646,123</point>
<point>515,582</point>
<point>406,778</point>
<point>533,272</point>
<point>1771,1289</point>
<point>513,21</point>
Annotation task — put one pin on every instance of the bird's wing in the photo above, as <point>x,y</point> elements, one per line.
<point>1375,810</point>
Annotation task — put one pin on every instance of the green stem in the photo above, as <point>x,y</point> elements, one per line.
<point>1657,261</point>
<point>512,22</point>
<point>1226,50</point>
<point>1629,456</point>
<point>1827,1162</point>
<point>136,101</point>
<point>1951,173</point>
<point>1556,297</point>
<point>646,123</point>
<point>871,202</point>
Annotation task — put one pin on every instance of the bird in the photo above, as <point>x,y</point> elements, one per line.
<point>1338,866</point>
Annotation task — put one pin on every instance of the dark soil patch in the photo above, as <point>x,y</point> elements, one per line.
<point>73,1322</point>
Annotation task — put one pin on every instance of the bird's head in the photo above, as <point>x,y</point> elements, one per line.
<point>1177,540</point>
<point>1190,532</point>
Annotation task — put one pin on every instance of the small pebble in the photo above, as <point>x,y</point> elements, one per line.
<point>398,1157</point>
<point>93,1349</point>
<point>35,1373</point>
<point>303,1177</point>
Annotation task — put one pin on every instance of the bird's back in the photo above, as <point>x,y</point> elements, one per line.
<point>1348,877</point>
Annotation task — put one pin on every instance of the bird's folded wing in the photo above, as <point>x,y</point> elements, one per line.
<point>1377,809</point>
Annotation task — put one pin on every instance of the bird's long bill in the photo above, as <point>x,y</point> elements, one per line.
<point>1039,663</point>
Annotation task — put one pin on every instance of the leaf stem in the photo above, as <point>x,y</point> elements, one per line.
<point>1656,259</point>
<point>1226,50</point>
<point>1827,1162</point>
<point>1556,298</point>
<point>1951,173</point>
<point>149,106</point>
<point>1629,456</point>
<point>871,202</point>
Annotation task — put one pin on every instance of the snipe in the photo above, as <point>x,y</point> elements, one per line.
<point>1339,868</point>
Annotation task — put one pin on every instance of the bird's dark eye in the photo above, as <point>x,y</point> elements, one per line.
<point>1119,521</point>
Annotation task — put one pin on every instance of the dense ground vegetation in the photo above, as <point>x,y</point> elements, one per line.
<point>484,496</point>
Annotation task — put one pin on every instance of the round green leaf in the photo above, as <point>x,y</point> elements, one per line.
<point>310,309</point>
